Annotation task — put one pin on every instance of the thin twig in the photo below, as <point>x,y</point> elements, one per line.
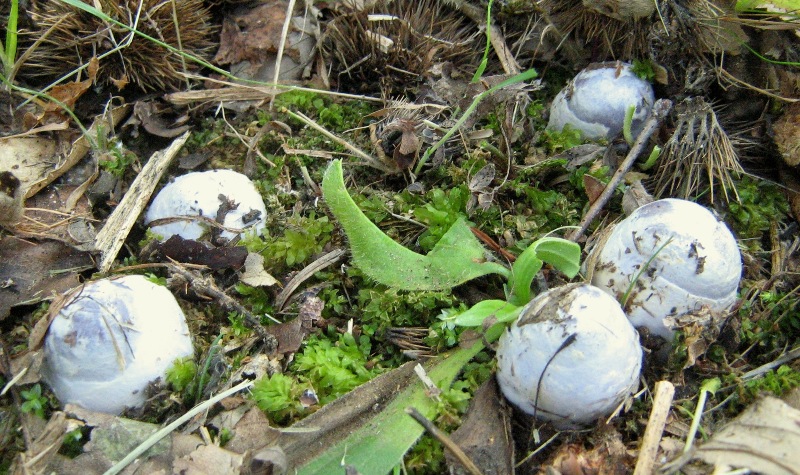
<point>660,110</point>
<point>445,439</point>
<point>206,286</point>
<point>371,161</point>
<point>787,357</point>
<point>311,269</point>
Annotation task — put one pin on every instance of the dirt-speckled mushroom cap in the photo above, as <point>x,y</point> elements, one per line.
<point>699,269</point>
<point>111,339</point>
<point>589,377</point>
<point>198,194</point>
<point>596,100</point>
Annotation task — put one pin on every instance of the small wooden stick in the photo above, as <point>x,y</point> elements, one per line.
<point>660,110</point>
<point>445,439</point>
<point>110,238</point>
<point>662,401</point>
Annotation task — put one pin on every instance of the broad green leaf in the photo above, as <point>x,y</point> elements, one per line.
<point>562,254</point>
<point>523,271</point>
<point>380,442</point>
<point>456,258</point>
<point>500,309</point>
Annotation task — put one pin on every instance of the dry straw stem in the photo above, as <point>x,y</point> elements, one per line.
<point>699,153</point>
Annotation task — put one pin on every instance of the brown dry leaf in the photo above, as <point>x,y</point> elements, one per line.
<point>254,273</point>
<point>224,462</point>
<point>787,134</point>
<point>10,199</point>
<point>581,155</point>
<point>251,38</point>
<point>485,435</point>
<point>31,158</point>
<point>249,35</point>
<point>63,214</point>
<point>44,160</point>
<point>120,83</point>
<point>594,187</point>
<point>150,116</point>
<point>290,335</point>
<point>764,439</point>
<point>31,271</point>
<point>69,93</point>
<point>608,456</point>
<point>195,252</point>
<point>251,432</point>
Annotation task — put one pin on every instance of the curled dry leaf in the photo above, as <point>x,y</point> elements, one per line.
<point>764,439</point>
<point>28,271</point>
<point>254,273</point>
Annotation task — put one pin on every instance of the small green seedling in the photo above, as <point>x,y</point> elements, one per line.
<point>709,386</point>
<point>35,402</point>
<point>181,374</point>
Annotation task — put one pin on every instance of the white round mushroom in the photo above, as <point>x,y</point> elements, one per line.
<point>596,100</point>
<point>571,357</point>
<point>683,261</point>
<point>202,194</point>
<point>111,340</point>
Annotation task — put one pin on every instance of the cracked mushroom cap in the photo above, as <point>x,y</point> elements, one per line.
<point>202,194</point>
<point>111,340</point>
<point>699,269</point>
<point>571,357</point>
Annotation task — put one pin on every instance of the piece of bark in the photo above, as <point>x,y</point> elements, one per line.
<point>113,234</point>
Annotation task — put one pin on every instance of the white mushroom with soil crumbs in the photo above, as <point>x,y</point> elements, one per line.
<point>199,204</point>
<point>669,259</point>
<point>596,100</point>
<point>112,339</point>
<point>571,357</point>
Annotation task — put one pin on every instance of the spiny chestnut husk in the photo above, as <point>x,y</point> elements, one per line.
<point>618,32</point>
<point>699,155</point>
<point>397,43</point>
<point>71,37</point>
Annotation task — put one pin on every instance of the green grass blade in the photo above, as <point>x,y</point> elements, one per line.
<point>456,258</point>
<point>9,49</point>
<point>523,76</point>
<point>380,442</point>
<point>482,67</point>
